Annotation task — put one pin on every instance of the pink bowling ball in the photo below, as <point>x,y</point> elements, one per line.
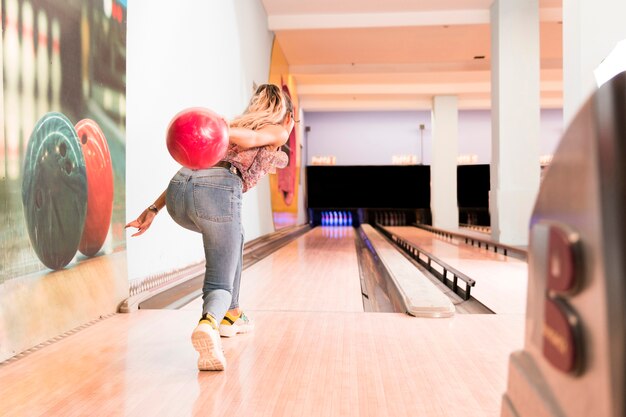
<point>197,138</point>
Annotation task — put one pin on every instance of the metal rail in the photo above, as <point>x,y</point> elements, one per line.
<point>416,253</point>
<point>476,241</point>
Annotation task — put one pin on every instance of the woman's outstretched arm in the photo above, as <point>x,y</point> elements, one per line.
<point>143,222</point>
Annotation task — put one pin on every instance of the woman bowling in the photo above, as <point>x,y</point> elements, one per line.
<point>208,201</point>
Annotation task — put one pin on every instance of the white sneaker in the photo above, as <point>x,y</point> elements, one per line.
<point>206,340</point>
<point>232,325</point>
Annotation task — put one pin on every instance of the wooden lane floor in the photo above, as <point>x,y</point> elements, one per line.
<point>304,358</point>
<point>316,272</point>
<point>293,364</point>
<point>501,281</point>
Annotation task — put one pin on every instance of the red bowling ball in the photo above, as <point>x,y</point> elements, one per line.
<point>99,186</point>
<point>197,138</point>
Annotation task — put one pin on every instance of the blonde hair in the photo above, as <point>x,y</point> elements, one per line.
<point>268,106</point>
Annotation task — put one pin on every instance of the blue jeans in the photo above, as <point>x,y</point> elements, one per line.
<point>208,201</point>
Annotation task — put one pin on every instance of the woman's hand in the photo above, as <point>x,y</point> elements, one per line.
<point>143,222</point>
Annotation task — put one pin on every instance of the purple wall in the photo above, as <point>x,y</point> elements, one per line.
<point>372,138</point>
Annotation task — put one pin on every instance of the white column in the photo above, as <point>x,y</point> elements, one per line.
<point>515,66</point>
<point>445,144</point>
<point>591,29</point>
<point>303,215</point>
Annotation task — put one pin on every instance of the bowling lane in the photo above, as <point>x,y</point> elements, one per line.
<point>313,353</point>
<point>293,364</point>
<point>317,272</point>
<point>501,281</point>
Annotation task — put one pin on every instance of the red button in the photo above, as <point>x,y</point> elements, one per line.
<point>562,339</point>
<point>563,260</point>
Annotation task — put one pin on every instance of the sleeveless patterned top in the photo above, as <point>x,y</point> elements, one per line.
<point>255,163</point>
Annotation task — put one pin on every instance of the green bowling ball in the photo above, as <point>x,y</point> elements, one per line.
<point>54,190</point>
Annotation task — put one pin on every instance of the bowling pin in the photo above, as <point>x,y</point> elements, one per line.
<point>28,74</point>
<point>12,107</point>
<point>43,66</point>
<point>55,70</point>
<point>349,218</point>
<point>341,218</point>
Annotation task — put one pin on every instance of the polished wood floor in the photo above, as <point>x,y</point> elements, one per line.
<point>317,272</point>
<point>313,353</point>
<point>501,281</point>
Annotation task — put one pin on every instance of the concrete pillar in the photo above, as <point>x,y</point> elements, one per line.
<point>303,215</point>
<point>445,144</point>
<point>591,29</point>
<point>515,89</point>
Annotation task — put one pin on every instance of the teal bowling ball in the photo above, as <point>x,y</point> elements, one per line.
<point>54,190</point>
